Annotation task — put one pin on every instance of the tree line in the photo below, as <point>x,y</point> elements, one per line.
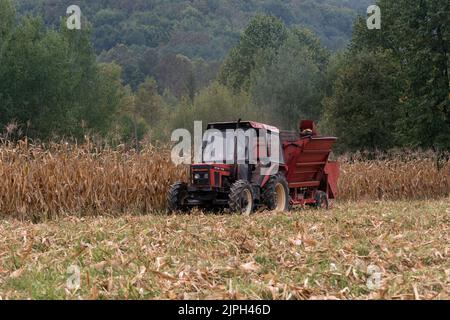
<point>388,88</point>
<point>148,38</point>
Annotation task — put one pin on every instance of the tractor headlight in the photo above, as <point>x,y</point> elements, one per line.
<point>197,176</point>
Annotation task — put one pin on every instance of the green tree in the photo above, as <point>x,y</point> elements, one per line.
<point>34,79</point>
<point>306,38</point>
<point>50,82</point>
<point>109,94</point>
<point>418,35</point>
<point>149,104</point>
<point>290,86</point>
<point>128,126</point>
<point>137,62</point>
<point>7,15</point>
<point>214,103</point>
<point>175,72</point>
<point>262,33</point>
<point>283,69</point>
<point>364,104</point>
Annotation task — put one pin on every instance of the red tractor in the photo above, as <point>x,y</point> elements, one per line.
<point>303,176</point>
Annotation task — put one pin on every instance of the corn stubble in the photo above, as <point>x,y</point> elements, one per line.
<point>302,255</point>
<point>41,182</point>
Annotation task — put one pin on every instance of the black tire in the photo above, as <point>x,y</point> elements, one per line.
<point>321,200</point>
<point>176,197</point>
<point>241,198</point>
<point>271,193</point>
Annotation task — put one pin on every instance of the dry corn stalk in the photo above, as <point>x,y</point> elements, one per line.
<point>394,176</point>
<point>41,182</point>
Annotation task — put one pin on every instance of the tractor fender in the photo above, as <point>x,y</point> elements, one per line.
<point>282,167</point>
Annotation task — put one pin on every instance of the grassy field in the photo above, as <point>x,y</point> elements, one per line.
<point>306,254</point>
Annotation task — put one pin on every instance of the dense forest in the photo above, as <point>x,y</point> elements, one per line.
<point>145,37</point>
<point>138,69</point>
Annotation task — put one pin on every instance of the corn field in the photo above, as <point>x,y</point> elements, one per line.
<point>395,175</point>
<point>41,182</point>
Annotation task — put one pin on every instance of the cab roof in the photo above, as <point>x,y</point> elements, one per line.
<point>242,125</point>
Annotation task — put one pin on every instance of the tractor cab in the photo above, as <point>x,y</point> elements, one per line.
<point>236,151</point>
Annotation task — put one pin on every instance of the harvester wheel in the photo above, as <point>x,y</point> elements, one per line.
<point>321,200</point>
<point>275,194</point>
<point>241,198</point>
<point>176,197</point>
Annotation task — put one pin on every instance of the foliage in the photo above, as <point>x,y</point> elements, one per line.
<point>364,105</point>
<point>417,34</point>
<point>200,29</point>
<point>50,83</point>
<point>282,68</point>
<point>263,34</point>
<point>148,102</point>
<point>290,85</point>
<point>214,103</point>
<point>389,88</point>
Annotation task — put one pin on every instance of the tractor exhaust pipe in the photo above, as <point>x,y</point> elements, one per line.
<point>236,169</point>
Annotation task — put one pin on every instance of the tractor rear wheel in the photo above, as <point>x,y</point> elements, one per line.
<point>241,199</point>
<point>176,197</point>
<point>275,194</point>
<point>321,200</point>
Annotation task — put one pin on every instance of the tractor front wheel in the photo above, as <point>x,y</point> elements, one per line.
<point>241,199</point>
<point>275,194</point>
<point>176,197</point>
